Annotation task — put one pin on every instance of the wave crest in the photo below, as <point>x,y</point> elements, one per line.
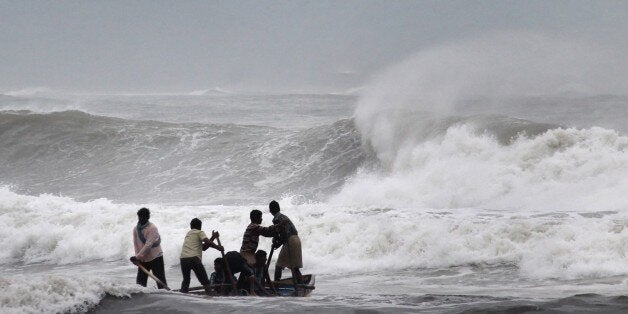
<point>81,155</point>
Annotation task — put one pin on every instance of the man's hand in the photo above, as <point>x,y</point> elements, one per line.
<point>220,248</point>
<point>134,260</point>
<point>215,234</point>
<point>276,243</point>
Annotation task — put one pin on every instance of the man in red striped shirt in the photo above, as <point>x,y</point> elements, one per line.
<point>250,239</point>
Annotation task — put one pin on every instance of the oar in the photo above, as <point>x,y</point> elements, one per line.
<point>233,284</point>
<point>270,257</point>
<point>152,276</point>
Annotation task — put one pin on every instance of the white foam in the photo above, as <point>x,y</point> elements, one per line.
<point>562,169</point>
<point>59,230</point>
<point>336,238</point>
<point>56,293</point>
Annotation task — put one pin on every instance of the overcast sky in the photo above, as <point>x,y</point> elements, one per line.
<point>176,46</point>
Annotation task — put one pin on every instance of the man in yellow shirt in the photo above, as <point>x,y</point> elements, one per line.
<point>193,246</point>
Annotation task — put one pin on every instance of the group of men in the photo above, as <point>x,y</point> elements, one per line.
<point>250,263</point>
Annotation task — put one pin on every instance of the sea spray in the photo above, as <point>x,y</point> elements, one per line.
<point>443,80</point>
<point>561,169</point>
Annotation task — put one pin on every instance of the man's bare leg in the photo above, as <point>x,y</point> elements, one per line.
<point>296,275</point>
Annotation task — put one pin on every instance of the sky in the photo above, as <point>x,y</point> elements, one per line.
<point>290,46</point>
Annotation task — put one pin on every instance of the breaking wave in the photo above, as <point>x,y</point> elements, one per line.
<point>411,159</point>
<point>440,145</point>
<point>558,169</point>
<point>86,156</point>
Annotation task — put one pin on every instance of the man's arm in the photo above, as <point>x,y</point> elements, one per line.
<point>269,231</point>
<point>215,235</point>
<point>277,242</point>
<point>207,243</point>
<point>272,230</point>
<point>135,247</point>
<point>278,227</point>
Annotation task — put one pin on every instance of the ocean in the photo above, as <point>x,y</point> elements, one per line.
<point>501,204</point>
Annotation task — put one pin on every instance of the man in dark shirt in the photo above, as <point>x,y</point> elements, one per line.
<point>237,264</point>
<point>290,254</point>
<point>218,279</point>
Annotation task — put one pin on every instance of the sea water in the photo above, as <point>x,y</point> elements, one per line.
<point>463,179</point>
<point>491,208</point>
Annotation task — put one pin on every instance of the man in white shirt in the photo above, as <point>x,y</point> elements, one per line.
<point>192,252</point>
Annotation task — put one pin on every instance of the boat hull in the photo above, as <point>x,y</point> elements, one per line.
<point>284,287</point>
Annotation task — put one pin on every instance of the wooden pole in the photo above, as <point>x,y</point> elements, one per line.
<point>151,275</point>
<point>270,257</point>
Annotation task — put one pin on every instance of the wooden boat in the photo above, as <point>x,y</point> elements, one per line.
<point>284,288</point>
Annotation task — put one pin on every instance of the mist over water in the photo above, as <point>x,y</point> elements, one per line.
<point>494,66</point>
<point>469,170</point>
<point>507,116</point>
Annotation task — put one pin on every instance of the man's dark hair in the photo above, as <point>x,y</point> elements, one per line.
<point>218,260</point>
<point>273,206</point>
<point>143,212</point>
<point>255,215</point>
<point>196,224</point>
<point>260,253</point>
